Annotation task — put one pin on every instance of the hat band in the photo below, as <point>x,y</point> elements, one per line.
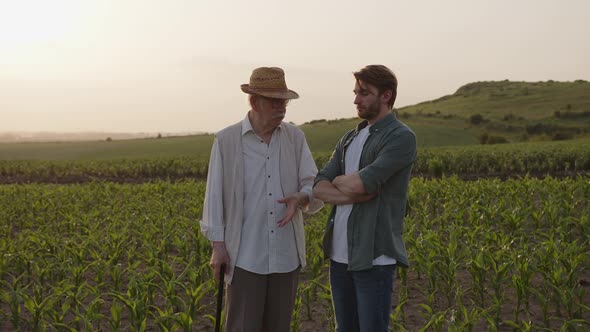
<point>268,89</point>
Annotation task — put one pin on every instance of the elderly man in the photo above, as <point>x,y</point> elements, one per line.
<point>367,182</point>
<point>260,181</point>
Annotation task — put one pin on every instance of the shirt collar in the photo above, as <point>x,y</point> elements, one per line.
<point>247,126</point>
<point>387,120</point>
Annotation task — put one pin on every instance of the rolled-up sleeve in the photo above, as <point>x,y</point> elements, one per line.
<point>212,224</point>
<point>397,154</point>
<point>307,173</point>
<point>332,168</point>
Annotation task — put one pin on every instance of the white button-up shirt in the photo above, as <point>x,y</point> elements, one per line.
<point>264,247</point>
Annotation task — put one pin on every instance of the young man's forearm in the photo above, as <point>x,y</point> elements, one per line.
<point>350,184</point>
<point>329,193</point>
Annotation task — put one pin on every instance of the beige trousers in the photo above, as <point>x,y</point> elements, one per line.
<point>260,302</point>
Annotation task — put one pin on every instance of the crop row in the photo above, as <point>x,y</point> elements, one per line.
<point>476,161</point>
<point>485,255</point>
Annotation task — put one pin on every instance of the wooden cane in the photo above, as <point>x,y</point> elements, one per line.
<point>220,298</point>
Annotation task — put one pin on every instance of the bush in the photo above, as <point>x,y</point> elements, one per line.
<point>485,138</point>
<point>539,129</point>
<point>315,121</point>
<point>497,140</point>
<point>476,119</point>
<point>572,115</point>
<point>508,117</point>
<point>405,115</point>
<point>436,166</point>
<point>561,136</point>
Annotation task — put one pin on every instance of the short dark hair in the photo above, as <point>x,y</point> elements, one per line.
<point>381,77</point>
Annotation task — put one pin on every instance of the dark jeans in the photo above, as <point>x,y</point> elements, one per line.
<point>362,299</point>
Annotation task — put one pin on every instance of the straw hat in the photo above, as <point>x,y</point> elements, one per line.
<point>269,82</point>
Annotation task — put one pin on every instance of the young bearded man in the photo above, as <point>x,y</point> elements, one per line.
<point>366,180</point>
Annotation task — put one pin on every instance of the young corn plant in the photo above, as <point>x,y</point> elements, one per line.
<point>116,311</point>
<point>164,319</point>
<point>436,320</point>
<point>295,318</point>
<point>38,306</point>
<point>479,271</point>
<point>522,283</point>
<point>11,293</point>
<point>466,319</point>
<point>501,266</point>
<point>136,307</point>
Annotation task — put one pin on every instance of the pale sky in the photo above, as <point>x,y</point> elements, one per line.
<point>177,65</point>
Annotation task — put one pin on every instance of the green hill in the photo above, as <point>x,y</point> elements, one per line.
<point>502,100</point>
<point>488,112</point>
<point>515,111</point>
<point>499,112</point>
<point>430,132</point>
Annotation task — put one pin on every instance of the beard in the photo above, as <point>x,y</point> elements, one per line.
<point>370,112</point>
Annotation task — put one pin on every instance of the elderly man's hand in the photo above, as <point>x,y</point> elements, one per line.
<point>219,256</point>
<point>293,201</point>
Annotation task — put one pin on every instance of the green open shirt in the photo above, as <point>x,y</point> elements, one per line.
<point>375,227</point>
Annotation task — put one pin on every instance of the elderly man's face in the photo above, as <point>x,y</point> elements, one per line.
<point>271,110</point>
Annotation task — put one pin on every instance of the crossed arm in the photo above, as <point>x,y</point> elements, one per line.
<point>344,189</point>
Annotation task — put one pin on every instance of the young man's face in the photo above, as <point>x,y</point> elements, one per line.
<point>367,100</point>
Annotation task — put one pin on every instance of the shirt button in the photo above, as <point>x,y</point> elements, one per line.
<point>269,194</point>
<point>271,213</point>
<point>269,176</point>
<point>272,231</point>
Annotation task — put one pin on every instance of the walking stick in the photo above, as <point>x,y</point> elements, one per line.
<point>220,298</point>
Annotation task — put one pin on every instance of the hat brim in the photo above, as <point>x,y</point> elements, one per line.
<point>270,93</point>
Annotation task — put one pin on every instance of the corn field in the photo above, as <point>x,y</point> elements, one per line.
<point>564,158</point>
<point>485,255</point>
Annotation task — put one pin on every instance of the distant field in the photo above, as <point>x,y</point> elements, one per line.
<point>322,138</point>
<point>193,146</point>
<point>509,112</point>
